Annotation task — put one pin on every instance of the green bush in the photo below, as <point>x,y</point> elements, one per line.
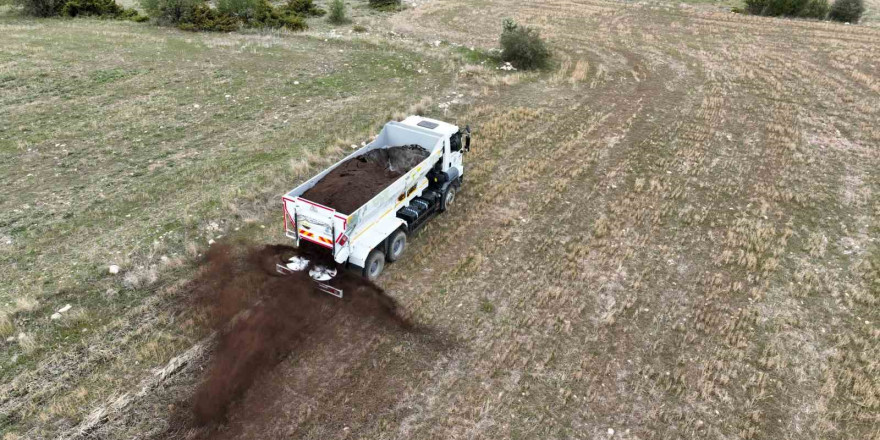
<point>202,18</point>
<point>75,8</point>
<point>172,12</point>
<point>267,16</point>
<point>244,10</point>
<point>305,8</point>
<point>41,8</point>
<point>817,9</point>
<point>230,15</point>
<point>385,5</point>
<point>847,11</point>
<point>337,12</point>
<point>788,8</point>
<point>522,46</point>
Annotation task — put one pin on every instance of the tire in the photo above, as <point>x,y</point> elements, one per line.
<point>374,265</point>
<point>396,246</point>
<point>448,196</point>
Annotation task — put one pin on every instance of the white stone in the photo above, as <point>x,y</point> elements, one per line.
<point>55,316</point>
<point>610,431</point>
<point>114,269</point>
<point>65,308</point>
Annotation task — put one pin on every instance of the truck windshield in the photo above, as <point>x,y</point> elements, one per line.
<point>455,142</point>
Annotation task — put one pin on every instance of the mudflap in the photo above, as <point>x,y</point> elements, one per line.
<point>323,287</point>
<point>326,288</point>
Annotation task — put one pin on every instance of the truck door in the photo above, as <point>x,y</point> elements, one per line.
<point>454,152</point>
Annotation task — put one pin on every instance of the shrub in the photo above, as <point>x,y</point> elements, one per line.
<point>171,12</point>
<point>196,15</point>
<point>337,12</point>
<point>305,8</point>
<point>788,8</point>
<point>243,9</point>
<point>271,17</point>
<point>847,11</point>
<point>41,8</point>
<point>202,18</point>
<point>75,8</point>
<point>385,5</point>
<point>815,9</point>
<point>522,46</point>
<point>359,28</point>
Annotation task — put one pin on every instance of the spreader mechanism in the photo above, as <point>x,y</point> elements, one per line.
<point>317,272</point>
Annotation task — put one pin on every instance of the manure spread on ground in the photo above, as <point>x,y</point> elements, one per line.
<point>359,179</point>
<point>260,317</point>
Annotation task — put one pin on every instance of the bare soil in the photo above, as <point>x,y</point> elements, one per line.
<point>261,317</point>
<point>357,180</point>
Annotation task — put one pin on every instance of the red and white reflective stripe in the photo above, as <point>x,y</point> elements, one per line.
<point>318,242</point>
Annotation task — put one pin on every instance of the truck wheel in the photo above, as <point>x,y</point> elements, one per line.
<point>374,265</point>
<point>448,197</point>
<point>396,246</point>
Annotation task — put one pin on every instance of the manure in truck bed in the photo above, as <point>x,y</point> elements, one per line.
<point>357,180</point>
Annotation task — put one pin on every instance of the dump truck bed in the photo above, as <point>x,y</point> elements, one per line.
<point>337,231</point>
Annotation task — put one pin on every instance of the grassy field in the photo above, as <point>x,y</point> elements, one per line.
<point>670,234</point>
<point>133,145</point>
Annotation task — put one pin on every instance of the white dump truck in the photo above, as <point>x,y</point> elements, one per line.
<point>375,232</point>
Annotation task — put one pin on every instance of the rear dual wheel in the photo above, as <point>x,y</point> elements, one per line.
<point>396,246</point>
<point>375,263</point>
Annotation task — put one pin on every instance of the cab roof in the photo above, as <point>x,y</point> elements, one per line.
<point>431,124</point>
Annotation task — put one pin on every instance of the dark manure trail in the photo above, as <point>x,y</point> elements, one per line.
<point>260,317</point>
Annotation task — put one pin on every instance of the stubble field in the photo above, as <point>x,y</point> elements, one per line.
<point>670,234</point>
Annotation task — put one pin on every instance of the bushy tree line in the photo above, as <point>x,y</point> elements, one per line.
<point>76,8</point>
<point>843,10</point>
<point>230,15</point>
<point>192,15</point>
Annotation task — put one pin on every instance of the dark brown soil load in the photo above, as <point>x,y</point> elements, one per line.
<point>356,181</point>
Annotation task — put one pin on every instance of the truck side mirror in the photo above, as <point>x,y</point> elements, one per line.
<point>467,138</point>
